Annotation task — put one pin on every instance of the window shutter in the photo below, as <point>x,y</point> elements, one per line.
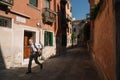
<point>51,39</point>
<point>45,38</point>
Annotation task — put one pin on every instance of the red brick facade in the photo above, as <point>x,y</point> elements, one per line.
<point>26,20</point>
<point>25,9</point>
<point>104,39</point>
<point>33,13</point>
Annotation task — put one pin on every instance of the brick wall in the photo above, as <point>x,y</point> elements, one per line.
<point>117,16</point>
<point>104,40</point>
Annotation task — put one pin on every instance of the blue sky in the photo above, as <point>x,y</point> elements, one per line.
<point>79,8</point>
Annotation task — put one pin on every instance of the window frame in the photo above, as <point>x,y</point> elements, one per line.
<point>32,4</point>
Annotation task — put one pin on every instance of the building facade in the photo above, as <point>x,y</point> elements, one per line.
<point>68,8</point>
<point>19,22</point>
<point>61,35</point>
<point>81,29</point>
<point>49,27</point>
<point>77,31</point>
<point>105,36</point>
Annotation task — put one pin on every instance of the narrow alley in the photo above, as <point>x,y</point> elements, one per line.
<point>58,29</point>
<point>75,64</point>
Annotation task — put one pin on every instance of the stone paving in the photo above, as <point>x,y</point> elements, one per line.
<point>75,64</point>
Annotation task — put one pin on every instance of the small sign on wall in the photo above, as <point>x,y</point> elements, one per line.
<point>20,19</point>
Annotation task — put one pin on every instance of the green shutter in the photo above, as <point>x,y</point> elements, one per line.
<point>48,38</point>
<point>45,38</point>
<point>51,38</point>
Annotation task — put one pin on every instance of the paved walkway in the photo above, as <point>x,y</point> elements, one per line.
<point>76,64</point>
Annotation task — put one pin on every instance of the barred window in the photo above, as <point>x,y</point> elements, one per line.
<point>5,22</point>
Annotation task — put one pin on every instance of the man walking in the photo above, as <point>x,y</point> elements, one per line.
<point>34,49</point>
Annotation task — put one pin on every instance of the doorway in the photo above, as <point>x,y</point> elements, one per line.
<point>27,36</point>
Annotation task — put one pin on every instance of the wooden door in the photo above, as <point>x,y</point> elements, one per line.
<point>26,47</point>
<point>27,36</point>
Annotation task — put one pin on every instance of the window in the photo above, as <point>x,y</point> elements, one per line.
<point>33,2</point>
<point>74,30</point>
<point>64,40</point>
<point>47,4</point>
<point>5,22</point>
<point>48,38</point>
<point>78,36</point>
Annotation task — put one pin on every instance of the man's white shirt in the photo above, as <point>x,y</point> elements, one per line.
<point>37,46</point>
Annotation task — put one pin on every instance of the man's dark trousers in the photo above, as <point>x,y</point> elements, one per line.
<point>35,57</point>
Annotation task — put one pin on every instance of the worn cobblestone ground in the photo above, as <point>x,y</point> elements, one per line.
<point>75,64</point>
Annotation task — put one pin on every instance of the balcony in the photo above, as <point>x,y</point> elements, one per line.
<point>68,18</point>
<point>49,16</point>
<point>6,2</point>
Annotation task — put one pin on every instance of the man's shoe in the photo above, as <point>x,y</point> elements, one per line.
<point>28,72</point>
